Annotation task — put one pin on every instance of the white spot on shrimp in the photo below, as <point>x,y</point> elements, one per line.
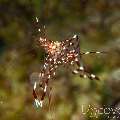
<point>34,85</point>
<point>81,68</point>
<point>87,53</point>
<point>37,20</point>
<point>39,30</point>
<point>92,75</point>
<point>98,52</point>
<point>45,88</point>
<point>85,76</point>
<point>41,103</point>
<point>75,71</point>
<point>37,103</point>
<point>74,36</point>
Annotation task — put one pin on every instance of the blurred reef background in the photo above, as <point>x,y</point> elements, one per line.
<point>97,22</point>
